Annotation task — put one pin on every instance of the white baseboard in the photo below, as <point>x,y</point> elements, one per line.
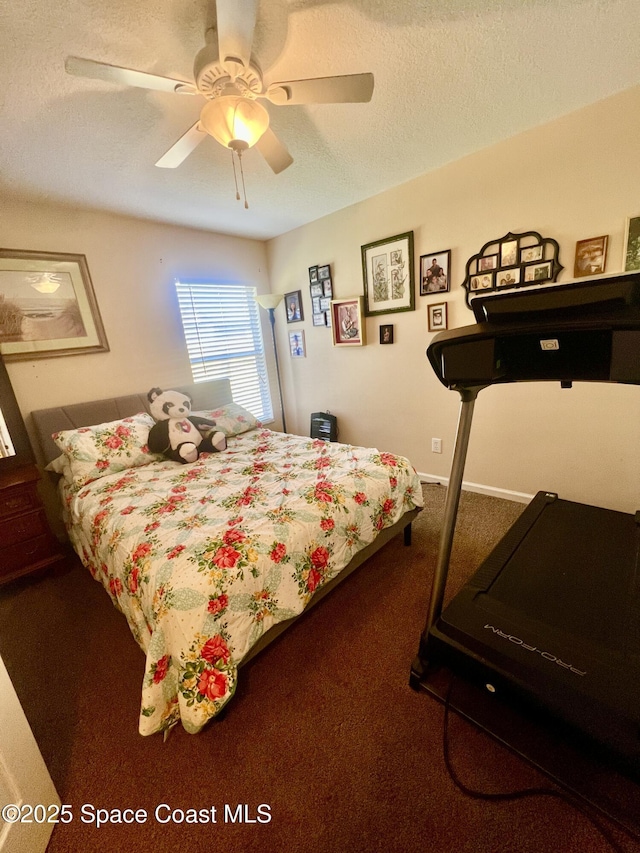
<point>493,491</point>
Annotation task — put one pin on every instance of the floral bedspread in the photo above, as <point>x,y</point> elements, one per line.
<point>202,559</point>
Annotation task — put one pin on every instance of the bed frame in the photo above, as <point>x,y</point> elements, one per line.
<point>204,396</point>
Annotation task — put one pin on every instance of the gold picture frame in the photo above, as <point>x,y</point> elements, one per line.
<point>591,256</point>
<point>47,306</point>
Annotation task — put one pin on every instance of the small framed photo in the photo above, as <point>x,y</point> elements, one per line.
<point>319,319</point>
<point>488,262</point>
<point>327,287</point>
<point>538,272</point>
<point>296,344</point>
<point>293,301</point>
<point>313,275</point>
<point>325,303</point>
<point>315,303</point>
<point>346,322</point>
<point>531,253</point>
<point>324,272</point>
<point>508,278</point>
<point>437,316</point>
<point>631,256</point>
<point>509,253</point>
<point>591,256</point>
<point>482,282</point>
<point>386,333</point>
<point>316,289</point>
<point>434,272</point>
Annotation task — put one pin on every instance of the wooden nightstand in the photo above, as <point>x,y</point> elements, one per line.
<point>26,541</point>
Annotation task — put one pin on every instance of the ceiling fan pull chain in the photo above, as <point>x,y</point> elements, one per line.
<point>244,191</point>
<point>235,177</point>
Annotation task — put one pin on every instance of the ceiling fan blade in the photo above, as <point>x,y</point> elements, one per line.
<point>236,23</point>
<point>125,76</point>
<point>274,151</point>
<point>348,89</point>
<point>181,149</point>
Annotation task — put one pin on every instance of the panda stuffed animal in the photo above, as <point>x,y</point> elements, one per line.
<point>177,434</point>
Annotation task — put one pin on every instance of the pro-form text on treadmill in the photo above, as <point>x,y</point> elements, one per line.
<point>546,655</point>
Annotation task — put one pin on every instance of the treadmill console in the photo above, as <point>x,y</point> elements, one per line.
<point>574,332</point>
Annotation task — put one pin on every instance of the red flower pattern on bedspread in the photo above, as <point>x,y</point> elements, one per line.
<point>202,559</point>
<point>212,684</point>
<point>215,649</point>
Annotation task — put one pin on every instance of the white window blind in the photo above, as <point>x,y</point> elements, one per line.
<point>221,325</point>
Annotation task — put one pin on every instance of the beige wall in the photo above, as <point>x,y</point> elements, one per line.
<point>133,265</point>
<point>575,178</point>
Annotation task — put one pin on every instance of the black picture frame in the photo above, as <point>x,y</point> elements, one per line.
<point>386,333</point>
<point>521,260</point>
<point>293,306</point>
<point>321,292</point>
<point>435,272</point>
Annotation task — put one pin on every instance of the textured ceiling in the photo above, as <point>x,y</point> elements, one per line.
<point>451,77</point>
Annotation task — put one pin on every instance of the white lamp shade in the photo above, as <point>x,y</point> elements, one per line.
<point>235,121</point>
<point>269,300</point>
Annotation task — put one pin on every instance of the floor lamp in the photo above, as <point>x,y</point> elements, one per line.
<point>270,301</point>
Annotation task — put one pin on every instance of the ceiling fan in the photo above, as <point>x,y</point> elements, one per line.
<point>229,78</point>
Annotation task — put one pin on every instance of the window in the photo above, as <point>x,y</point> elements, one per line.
<point>222,329</point>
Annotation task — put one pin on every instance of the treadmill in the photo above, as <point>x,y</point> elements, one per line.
<point>551,620</point>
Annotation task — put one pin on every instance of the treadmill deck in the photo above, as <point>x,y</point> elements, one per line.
<point>553,615</point>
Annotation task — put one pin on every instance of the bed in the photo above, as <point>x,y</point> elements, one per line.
<point>211,560</point>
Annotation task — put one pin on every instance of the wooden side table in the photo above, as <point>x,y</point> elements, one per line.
<point>26,541</point>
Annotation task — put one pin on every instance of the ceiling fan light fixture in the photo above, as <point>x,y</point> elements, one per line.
<point>235,121</point>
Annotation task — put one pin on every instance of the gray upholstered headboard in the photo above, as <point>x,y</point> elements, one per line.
<point>205,395</point>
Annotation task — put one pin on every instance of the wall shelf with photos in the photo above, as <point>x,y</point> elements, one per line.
<point>321,290</point>
<point>516,260</point>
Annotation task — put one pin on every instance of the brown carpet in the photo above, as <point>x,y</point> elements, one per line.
<point>324,729</point>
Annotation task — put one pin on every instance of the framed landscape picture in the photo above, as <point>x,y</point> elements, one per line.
<point>47,306</point>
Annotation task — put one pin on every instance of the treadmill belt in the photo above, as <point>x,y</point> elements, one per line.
<point>576,569</point>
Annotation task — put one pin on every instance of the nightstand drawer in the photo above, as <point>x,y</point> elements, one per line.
<point>27,553</point>
<point>23,527</point>
<point>18,499</point>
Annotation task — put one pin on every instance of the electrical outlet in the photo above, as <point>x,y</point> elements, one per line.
<point>436,445</point>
